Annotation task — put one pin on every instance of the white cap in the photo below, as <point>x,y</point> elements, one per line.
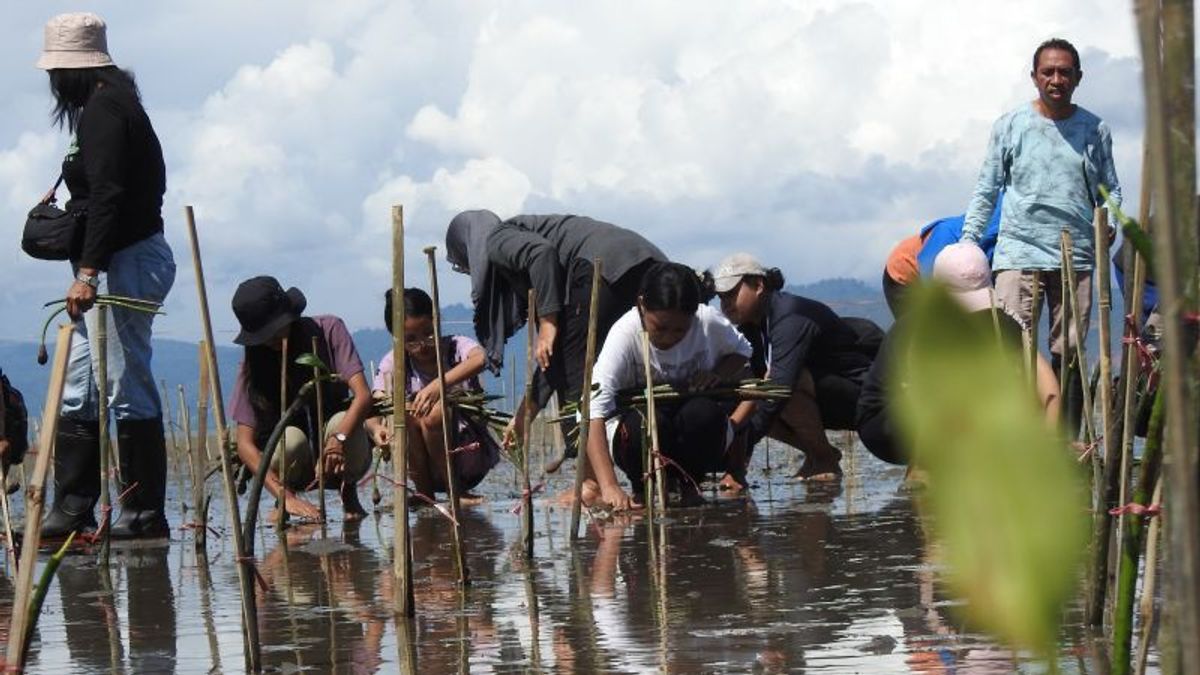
<point>731,270</point>
<point>964,268</point>
<point>77,40</point>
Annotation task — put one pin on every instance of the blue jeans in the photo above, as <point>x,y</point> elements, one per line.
<point>145,270</point>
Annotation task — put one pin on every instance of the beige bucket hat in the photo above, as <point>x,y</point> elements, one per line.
<point>77,40</point>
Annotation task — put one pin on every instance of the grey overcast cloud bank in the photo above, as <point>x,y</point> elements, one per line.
<point>815,134</point>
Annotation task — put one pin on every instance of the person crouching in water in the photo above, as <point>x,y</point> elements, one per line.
<point>270,319</point>
<point>801,344</point>
<point>475,449</point>
<point>691,346</point>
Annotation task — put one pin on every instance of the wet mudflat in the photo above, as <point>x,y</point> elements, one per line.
<point>793,578</point>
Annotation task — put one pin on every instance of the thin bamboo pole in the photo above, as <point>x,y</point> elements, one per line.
<point>401,545</point>
<point>526,488</point>
<point>321,435</point>
<point>10,550</point>
<point>1149,586</point>
<point>581,458</point>
<point>198,459</point>
<point>34,502</point>
<point>196,474</point>
<point>281,449</point>
<point>245,570</point>
<point>1132,539</point>
<point>656,465</point>
<point>1080,356</point>
<point>1102,520</point>
<point>1172,113</point>
<point>102,401</point>
<point>1130,368</point>
<point>460,557</point>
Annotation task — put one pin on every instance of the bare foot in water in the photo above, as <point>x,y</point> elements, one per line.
<point>825,470</point>
<point>730,484</point>
<point>590,493</point>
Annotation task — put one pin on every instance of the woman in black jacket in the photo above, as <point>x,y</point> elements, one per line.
<point>114,169</point>
<point>552,254</point>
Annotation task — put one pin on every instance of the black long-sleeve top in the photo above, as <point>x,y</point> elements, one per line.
<point>538,251</point>
<point>116,167</point>
<point>799,333</point>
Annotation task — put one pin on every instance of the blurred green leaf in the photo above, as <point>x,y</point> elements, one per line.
<point>312,361</point>
<point>1006,501</point>
<point>1132,230</point>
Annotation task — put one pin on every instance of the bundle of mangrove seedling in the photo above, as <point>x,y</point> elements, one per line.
<point>471,404</point>
<point>110,301</point>
<point>752,389</point>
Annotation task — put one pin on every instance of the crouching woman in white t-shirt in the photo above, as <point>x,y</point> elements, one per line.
<point>691,346</point>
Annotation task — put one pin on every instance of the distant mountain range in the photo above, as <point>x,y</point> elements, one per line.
<point>176,363</point>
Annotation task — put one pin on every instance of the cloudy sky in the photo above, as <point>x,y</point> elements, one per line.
<point>815,133</point>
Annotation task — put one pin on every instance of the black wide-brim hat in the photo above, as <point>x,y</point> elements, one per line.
<point>263,308</point>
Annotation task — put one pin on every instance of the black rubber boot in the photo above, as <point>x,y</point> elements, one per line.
<point>143,456</point>
<point>1072,403</point>
<point>76,479</point>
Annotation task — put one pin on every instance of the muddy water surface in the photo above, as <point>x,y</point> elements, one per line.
<point>791,579</point>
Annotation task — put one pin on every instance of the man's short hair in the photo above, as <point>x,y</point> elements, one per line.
<point>1057,43</point>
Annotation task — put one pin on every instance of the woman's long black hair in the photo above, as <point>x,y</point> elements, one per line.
<point>671,286</point>
<point>262,375</point>
<point>72,87</point>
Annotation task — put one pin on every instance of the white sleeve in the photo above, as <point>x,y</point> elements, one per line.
<point>727,339</point>
<point>611,371</point>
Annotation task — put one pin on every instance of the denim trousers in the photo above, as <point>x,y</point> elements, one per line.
<point>144,270</point>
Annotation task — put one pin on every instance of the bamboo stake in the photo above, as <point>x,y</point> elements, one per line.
<point>460,558</point>
<point>1066,357</point>
<point>582,465</point>
<point>10,549</point>
<point>1077,325</point>
<point>1149,584</point>
<point>34,503</point>
<point>1131,544</point>
<point>657,466</point>
<point>281,449</point>
<point>1130,367</point>
<point>526,489</point>
<point>1171,110</point>
<point>198,455</point>
<point>252,649</point>
<point>1101,520</point>
<point>102,396</point>
<point>321,435</point>
<point>401,546</point>
<point>197,485</point>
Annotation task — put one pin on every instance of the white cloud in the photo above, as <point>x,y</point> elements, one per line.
<point>813,133</point>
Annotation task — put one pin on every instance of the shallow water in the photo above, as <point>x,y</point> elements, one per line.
<point>791,579</point>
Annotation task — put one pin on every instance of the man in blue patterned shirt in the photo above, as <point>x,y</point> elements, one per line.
<point>1050,158</point>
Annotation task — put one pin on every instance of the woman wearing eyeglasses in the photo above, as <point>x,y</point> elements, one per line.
<point>475,451</point>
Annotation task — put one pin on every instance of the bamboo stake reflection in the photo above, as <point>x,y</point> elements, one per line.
<point>102,399</point>
<point>206,612</point>
<point>251,647</point>
<point>460,558</point>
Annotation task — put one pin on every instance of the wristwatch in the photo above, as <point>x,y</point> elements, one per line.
<point>340,437</point>
<point>92,280</point>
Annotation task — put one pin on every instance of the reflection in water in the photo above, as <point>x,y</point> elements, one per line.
<point>796,580</point>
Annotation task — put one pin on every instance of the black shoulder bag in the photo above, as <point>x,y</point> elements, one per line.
<point>50,232</point>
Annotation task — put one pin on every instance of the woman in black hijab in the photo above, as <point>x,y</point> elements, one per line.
<point>552,254</point>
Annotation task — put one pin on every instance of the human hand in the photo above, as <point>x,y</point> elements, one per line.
<point>381,434</point>
<point>617,498</point>
<point>301,507</point>
<point>544,349</point>
<point>704,380</point>
<point>514,434</point>
<point>333,457</point>
<point>80,298</point>
<point>423,402</point>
